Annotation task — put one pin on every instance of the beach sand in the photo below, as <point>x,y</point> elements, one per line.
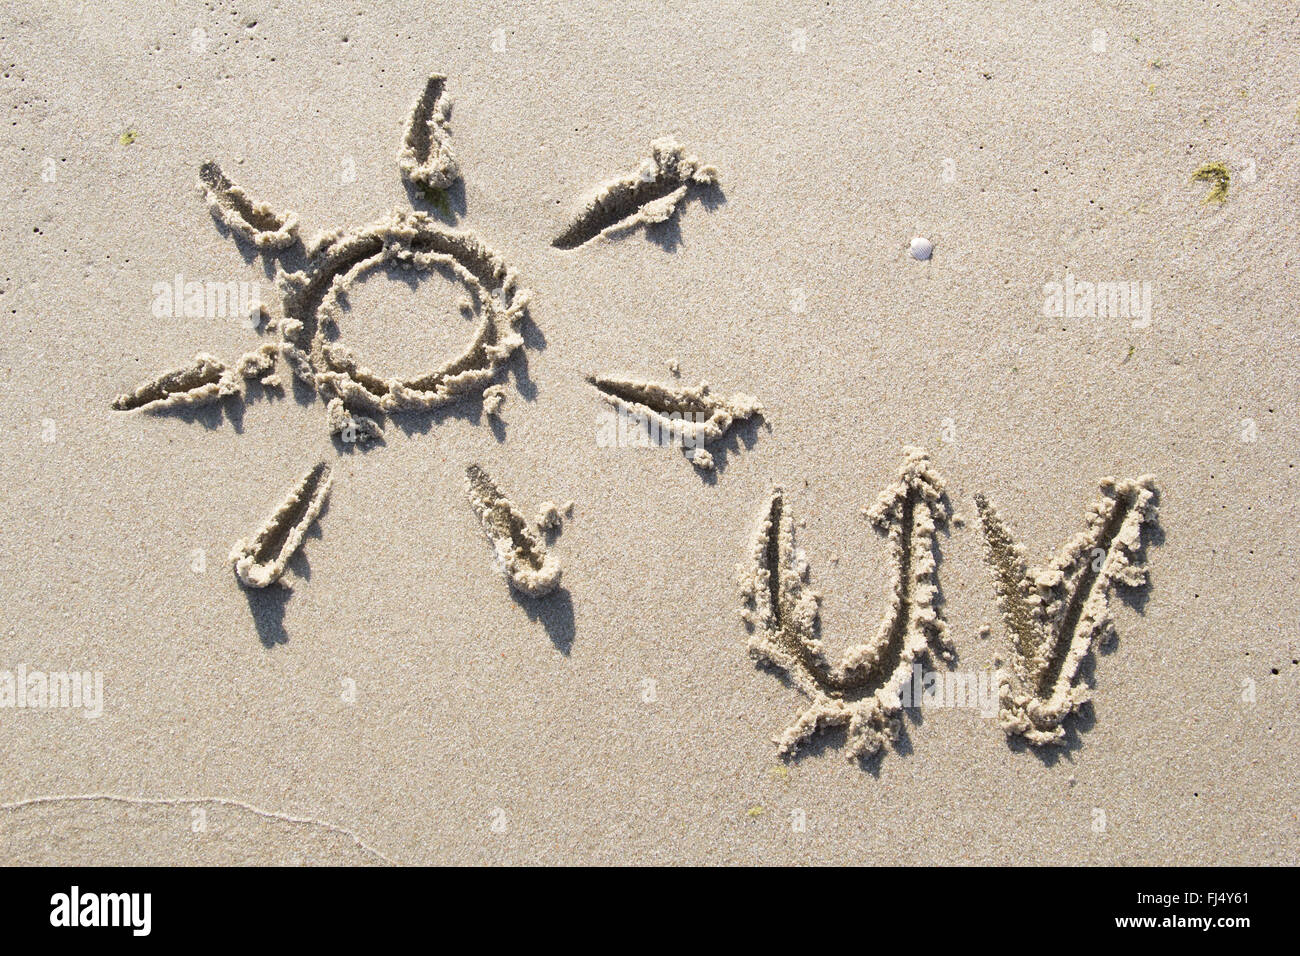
<point>399,701</point>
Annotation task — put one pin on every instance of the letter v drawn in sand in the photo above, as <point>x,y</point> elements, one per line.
<point>783,612</point>
<point>1056,615</point>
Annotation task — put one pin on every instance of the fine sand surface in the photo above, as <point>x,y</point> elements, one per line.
<point>406,694</point>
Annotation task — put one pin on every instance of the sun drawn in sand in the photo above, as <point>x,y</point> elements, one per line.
<point>356,398</point>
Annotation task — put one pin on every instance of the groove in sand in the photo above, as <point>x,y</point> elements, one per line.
<point>692,415</point>
<point>520,549</point>
<point>256,222</point>
<point>426,158</point>
<point>649,195</point>
<point>204,380</point>
<point>261,561</point>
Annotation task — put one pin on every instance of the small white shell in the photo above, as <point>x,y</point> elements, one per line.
<point>922,248</point>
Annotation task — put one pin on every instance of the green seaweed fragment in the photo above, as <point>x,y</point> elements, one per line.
<point>437,198</point>
<point>127,138</point>
<point>1216,173</point>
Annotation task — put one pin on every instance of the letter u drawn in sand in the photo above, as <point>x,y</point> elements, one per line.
<point>782,612</point>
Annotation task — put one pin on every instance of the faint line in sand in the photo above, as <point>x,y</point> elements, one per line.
<point>194,801</point>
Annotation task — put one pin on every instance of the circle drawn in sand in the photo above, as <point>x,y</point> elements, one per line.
<point>314,308</point>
